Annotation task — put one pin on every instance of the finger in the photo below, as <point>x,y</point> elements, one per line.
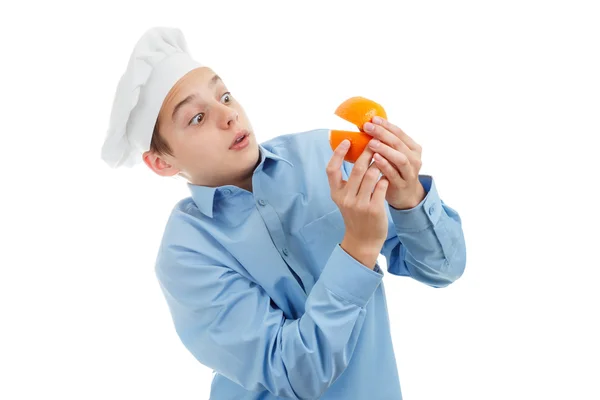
<point>385,136</point>
<point>368,185</point>
<point>410,142</point>
<point>358,171</point>
<point>334,172</point>
<point>380,191</point>
<point>398,159</point>
<point>387,169</point>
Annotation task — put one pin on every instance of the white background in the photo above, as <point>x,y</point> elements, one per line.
<point>503,96</point>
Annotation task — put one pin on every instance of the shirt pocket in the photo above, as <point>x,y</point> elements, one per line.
<point>322,235</point>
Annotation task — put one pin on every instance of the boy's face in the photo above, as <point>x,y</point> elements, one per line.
<point>200,132</point>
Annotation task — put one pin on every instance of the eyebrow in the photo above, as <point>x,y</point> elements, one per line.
<point>193,96</point>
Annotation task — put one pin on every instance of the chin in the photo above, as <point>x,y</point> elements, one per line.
<point>253,154</point>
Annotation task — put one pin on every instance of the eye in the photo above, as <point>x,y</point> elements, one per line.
<point>201,117</point>
<point>226,98</point>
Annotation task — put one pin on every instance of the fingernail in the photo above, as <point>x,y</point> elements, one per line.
<point>345,144</point>
<point>369,127</point>
<point>374,143</point>
<point>377,120</point>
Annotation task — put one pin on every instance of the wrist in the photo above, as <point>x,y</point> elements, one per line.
<point>413,201</point>
<point>364,253</point>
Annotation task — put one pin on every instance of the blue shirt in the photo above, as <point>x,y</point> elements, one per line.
<point>260,290</point>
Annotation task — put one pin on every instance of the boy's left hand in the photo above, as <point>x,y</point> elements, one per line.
<point>398,157</point>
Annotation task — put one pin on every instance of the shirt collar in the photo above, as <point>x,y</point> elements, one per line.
<point>267,154</point>
<point>204,196</point>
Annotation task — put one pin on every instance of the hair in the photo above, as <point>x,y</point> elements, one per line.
<point>158,144</point>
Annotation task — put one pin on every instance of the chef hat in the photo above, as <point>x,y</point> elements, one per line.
<point>159,59</point>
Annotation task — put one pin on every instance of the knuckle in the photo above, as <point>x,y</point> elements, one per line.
<point>373,210</point>
<point>346,202</point>
<point>362,208</point>
<point>359,169</point>
<point>373,172</point>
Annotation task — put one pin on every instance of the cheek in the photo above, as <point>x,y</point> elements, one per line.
<point>194,150</point>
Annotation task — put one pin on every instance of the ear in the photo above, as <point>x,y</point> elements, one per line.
<point>158,164</point>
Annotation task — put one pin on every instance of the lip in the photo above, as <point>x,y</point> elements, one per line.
<point>239,135</point>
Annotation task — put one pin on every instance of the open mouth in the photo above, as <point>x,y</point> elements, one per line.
<point>240,139</point>
<point>240,142</point>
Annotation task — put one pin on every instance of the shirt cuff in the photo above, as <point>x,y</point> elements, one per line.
<point>424,215</point>
<point>348,278</point>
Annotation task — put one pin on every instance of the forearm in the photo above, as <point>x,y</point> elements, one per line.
<point>232,326</point>
<point>429,244</point>
<point>318,347</point>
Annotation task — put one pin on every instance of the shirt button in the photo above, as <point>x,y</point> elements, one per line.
<point>262,202</point>
<point>227,191</point>
<point>285,252</point>
<point>431,209</point>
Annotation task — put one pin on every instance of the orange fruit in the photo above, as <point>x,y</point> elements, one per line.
<point>358,111</point>
<point>358,142</point>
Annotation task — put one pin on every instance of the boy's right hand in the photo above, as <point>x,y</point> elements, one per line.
<point>361,201</point>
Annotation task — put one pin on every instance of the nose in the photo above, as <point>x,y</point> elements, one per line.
<point>229,117</point>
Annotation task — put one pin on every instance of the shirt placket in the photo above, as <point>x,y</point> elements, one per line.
<point>275,228</point>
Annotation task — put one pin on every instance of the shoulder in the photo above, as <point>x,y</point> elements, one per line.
<point>184,216</point>
<point>298,146</point>
<point>310,136</point>
<point>186,232</point>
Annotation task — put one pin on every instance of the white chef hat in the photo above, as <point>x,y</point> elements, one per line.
<point>159,59</point>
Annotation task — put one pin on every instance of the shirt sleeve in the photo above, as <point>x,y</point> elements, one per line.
<point>230,324</point>
<point>429,244</point>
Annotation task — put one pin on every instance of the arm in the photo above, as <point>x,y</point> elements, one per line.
<point>429,244</point>
<point>230,324</point>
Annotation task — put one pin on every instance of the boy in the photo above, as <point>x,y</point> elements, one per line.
<point>270,267</point>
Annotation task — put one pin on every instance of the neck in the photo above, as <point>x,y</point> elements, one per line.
<point>245,183</point>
